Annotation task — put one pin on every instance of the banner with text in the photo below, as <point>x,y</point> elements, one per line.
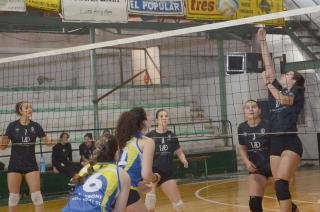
<point>208,10</point>
<point>95,11</point>
<point>157,7</point>
<point>13,5</point>
<point>50,5</point>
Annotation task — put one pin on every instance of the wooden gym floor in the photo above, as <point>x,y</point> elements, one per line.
<point>228,195</point>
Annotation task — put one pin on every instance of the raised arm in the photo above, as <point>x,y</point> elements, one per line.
<point>282,99</point>
<point>270,72</point>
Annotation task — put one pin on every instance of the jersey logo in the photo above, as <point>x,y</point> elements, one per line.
<point>17,130</point>
<point>25,139</point>
<point>25,131</point>
<point>163,147</point>
<point>162,140</point>
<point>263,131</point>
<point>255,145</point>
<point>32,129</point>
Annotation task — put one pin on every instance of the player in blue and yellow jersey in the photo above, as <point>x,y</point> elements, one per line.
<point>101,186</point>
<point>136,155</point>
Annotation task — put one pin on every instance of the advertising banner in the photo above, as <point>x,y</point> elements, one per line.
<point>50,5</point>
<point>13,5</point>
<point>95,11</point>
<point>157,7</point>
<point>208,10</point>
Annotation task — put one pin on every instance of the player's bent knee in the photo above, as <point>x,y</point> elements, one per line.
<point>151,200</point>
<point>14,199</point>
<point>36,198</point>
<point>255,204</point>
<point>282,189</point>
<point>178,206</point>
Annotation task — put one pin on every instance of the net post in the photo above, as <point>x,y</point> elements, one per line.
<point>93,67</point>
<point>222,86</point>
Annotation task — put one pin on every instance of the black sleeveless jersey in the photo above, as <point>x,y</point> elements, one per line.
<point>283,118</point>
<point>23,138</point>
<point>165,146</point>
<point>256,141</point>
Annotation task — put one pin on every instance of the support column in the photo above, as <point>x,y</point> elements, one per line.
<point>93,67</point>
<point>222,86</point>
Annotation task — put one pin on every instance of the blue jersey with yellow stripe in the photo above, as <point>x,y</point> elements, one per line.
<point>130,160</point>
<point>98,192</point>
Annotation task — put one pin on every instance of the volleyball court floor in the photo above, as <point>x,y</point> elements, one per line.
<point>226,195</point>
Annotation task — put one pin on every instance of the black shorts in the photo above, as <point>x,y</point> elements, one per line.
<point>266,171</point>
<point>22,168</point>
<point>133,197</point>
<point>164,174</point>
<point>280,143</point>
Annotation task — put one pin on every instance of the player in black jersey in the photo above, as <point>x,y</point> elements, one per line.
<point>86,149</point>
<point>62,157</point>
<point>166,145</point>
<point>286,100</point>
<point>23,134</point>
<point>254,151</point>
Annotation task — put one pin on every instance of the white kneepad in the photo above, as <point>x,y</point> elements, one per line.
<point>178,206</point>
<point>36,198</point>
<point>151,200</point>
<point>14,199</point>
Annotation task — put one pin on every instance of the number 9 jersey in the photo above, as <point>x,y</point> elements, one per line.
<point>98,192</point>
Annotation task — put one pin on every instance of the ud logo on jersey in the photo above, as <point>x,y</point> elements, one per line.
<point>25,139</point>
<point>163,147</point>
<point>255,145</point>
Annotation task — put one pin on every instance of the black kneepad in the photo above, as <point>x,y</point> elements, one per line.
<point>282,189</point>
<point>255,204</point>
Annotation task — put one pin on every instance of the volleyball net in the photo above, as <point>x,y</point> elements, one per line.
<point>201,75</point>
